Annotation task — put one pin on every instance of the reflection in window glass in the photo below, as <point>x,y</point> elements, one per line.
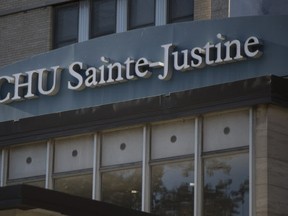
<point>173,189</point>
<point>226,186</point>
<point>75,185</point>
<point>258,7</point>
<point>180,10</point>
<point>65,25</point>
<point>141,13</point>
<point>103,17</point>
<point>123,188</point>
<point>38,183</point>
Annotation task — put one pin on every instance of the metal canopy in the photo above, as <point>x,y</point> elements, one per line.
<point>25,200</point>
<point>250,92</point>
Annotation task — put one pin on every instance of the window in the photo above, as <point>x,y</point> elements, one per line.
<point>171,167</point>
<point>172,170</point>
<point>252,8</point>
<point>65,25</point>
<point>173,188</point>
<point>79,185</point>
<point>141,13</point>
<point>73,162</point>
<point>82,20</point>
<point>226,130</point>
<point>121,167</point>
<point>226,164</point>
<point>180,10</point>
<point>123,188</point>
<point>226,185</point>
<point>103,17</point>
<point>27,164</point>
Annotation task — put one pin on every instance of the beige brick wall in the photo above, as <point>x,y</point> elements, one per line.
<point>277,161</point>
<point>261,161</point>
<point>219,9</point>
<point>24,34</point>
<point>211,9</point>
<point>13,4</point>
<point>202,9</point>
<point>271,143</point>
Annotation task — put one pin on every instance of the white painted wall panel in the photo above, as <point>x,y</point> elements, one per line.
<point>226,130</point>
<point>73,153</point>
<point>172,139</point>
<point>27,161</point>
<point>123,146</point>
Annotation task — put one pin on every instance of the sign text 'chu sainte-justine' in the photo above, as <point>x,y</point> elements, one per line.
<point>31,84</point>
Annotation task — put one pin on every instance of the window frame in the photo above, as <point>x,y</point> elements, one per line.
<point>95,34</point>
<point>181,18</point>
<point>129,27</point>
<point>56,44</point>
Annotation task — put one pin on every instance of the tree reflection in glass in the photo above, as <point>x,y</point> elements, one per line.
<point>80,185</point>
<point>226,186</point>
<point>123,188</point>
<point>173,189</point>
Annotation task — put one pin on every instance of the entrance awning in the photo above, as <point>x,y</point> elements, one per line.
<point>25,200</point>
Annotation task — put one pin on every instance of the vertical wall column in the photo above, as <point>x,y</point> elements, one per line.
<point>96,193</point>
<point>146,176</point>
<point>251,164</point>
<point>198,167</point>
<point>261,162</point>
<point>49,165</point>
<point>4,164</point>
<point>277,160</point>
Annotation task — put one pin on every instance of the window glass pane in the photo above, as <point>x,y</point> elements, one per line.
<point>75,185</point>
<point>122,146</point>
<point>103,17</point>
<point>66,25</point>
<point>27,161</point>
<point>73,153</point>
<point>226,130</point>
<point>173,189</point>
<point>226,185</point>
<point>122,188</point>
<point>39,183</point>
<point>170,139</point>
<point>258,7</point>
<point>141,13</point>
<point>180,10</point>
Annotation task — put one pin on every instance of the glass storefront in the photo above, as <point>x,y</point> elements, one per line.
<point>79,185</point>
<point>172,190</point>
<point>149,167</point>
<point>123,188</point>
<point>226,185</point>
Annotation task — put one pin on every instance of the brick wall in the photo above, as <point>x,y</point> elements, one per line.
<point>24,34</point>
<point>202,9</point>
<point>219,9</point>
<point>14,6</point>
<point>17,4</point>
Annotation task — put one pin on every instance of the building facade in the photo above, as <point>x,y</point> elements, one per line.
<point>161,106</point>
